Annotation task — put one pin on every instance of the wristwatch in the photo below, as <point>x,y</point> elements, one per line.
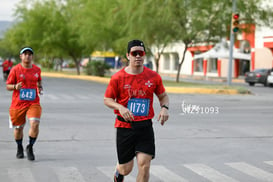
<point>165,107</point>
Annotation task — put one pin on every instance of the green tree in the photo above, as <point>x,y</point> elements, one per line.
<point>209,21</point>
<point>165,21</point>
<point>101,26</point>
<point>50,27</point>
<point>75,28</point>
<point>144,20</point>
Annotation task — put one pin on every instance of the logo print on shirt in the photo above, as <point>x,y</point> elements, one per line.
<point>36,75</point>
<point>149,84</point>
<point>22,76</point>
<point>127,86</point>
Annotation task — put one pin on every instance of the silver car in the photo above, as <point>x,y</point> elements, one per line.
<point>257,76</point>
<point>270,79</point>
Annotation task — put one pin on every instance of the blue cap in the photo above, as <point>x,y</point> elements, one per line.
<point>26,49</point>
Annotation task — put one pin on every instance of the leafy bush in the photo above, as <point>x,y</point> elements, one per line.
<point>46,63</point>
<point>71,65</point>
<point>97,68</point>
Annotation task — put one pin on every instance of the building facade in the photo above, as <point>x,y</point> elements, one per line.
<point>258,43</point>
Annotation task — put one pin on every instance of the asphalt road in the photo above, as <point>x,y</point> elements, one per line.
<point>220,138</point>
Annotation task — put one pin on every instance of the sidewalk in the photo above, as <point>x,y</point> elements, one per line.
<point>201,79</point>
<point>186,90</point>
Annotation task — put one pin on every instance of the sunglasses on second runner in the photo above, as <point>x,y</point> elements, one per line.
<point>135,53</point>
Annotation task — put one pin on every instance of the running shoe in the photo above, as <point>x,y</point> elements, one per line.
<point>30,154</point>
<point>118,177</point>
<point>20,152</point>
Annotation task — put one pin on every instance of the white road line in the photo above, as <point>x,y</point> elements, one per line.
<point>83,97</point>
<point>67,97</point>
<point>51,96</point>
<point>209,173</point>
<point>109,172</point>
<point>164,174</point>
<point>269,162</point>
<point>252,171</point>
<point>20,174</point>
<point>69,174</point>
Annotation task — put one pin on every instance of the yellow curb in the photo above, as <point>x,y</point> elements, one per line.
<point>80,77</point>
<point>200,90</point>
<point>176,90</point>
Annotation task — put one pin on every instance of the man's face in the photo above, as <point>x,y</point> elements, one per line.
<point>136,56</point>
<point>26,57</point>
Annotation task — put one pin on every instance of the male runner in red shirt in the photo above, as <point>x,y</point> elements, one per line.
<point>130,94</point>
<point>26,83</point>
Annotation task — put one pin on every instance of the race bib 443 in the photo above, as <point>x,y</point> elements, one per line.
<point>139,107</point>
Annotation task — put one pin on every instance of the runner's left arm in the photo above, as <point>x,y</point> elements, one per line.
<point>164,104</point>
<point>40,86</point>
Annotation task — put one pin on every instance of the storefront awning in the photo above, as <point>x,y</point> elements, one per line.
<point>221,50</point>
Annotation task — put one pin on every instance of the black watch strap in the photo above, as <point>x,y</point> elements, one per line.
<point>165,107</point>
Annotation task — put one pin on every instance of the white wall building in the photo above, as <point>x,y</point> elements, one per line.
<point>260,46</point>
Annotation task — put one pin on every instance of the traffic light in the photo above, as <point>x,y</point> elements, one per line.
<point>235,22</point>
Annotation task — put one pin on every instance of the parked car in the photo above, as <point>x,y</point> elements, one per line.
<point>270,79</point>
<point>257,76</point>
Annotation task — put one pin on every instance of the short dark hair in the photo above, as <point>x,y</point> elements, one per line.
<point>133,43</point>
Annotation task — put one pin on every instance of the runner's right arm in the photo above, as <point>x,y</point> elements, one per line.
<point>12,87</point>
<point>124,112</point>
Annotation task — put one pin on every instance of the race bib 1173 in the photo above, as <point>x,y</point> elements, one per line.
<point>139,107</point>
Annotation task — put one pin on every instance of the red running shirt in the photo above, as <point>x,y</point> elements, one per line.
<point>7,65</point>
<point>29,78</point>
<point>124,86</point>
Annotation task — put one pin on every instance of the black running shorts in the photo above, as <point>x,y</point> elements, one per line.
<point>129,141</point>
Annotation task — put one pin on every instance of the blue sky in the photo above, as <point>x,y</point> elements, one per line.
<point>7,8</point>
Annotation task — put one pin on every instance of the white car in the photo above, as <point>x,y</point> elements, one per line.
<point>270,79</point>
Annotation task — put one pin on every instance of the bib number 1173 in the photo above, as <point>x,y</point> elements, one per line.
<point>139,107</point>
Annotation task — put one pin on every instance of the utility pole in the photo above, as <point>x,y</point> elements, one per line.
<point>231,45</point>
